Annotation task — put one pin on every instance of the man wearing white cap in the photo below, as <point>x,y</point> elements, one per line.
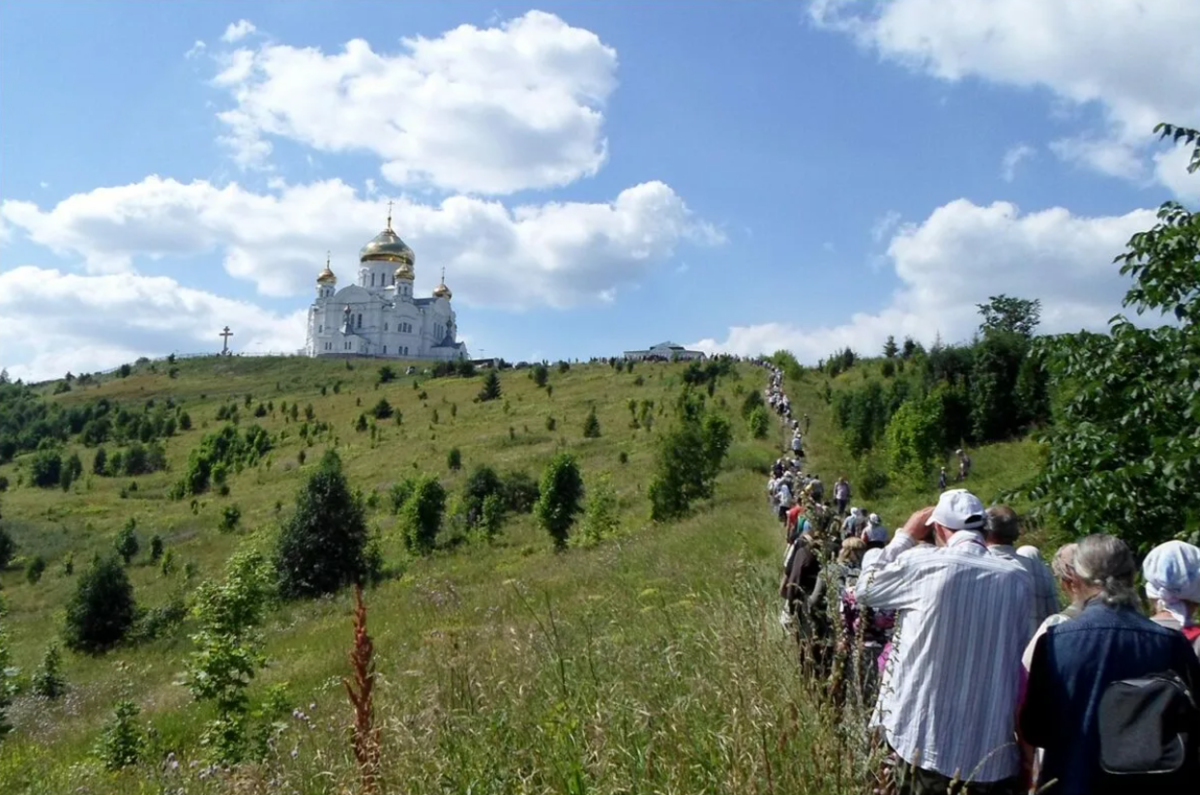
<point>1172,572</point>
<point>949,697</point>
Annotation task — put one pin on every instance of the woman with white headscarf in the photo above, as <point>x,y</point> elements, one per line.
<point>1172,572</point>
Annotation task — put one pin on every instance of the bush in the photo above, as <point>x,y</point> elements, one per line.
<point>561,490</point>
<point>753,400</point>
<point>591,425</point>
<point>540,374</point>
<point>320,548</point>
<point>491,387</point>
<point>8,549</point>
<point>49,681</point>
<point>915,438</point>
<point>122,740</point>
<point>156,549</point>
<point>386,374</point>
<point>422,515</point>
<point>520,492</point>
<point>45,470</point>
<point>8,688</point>
<point>400,492</point>
<point>888,369</point>
<point>231,517</point>
<point>101,611</point>
<point>35,569</point>
<point>100,461</point>
<point>759,422</point>
<point>551,424</point>
<point>482,482</point>
<point>454,459</point>
<point>564,366</point>
<point>127,542</point>
<point>382,410</point>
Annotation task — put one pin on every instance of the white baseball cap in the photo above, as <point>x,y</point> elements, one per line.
<point>958,509</point>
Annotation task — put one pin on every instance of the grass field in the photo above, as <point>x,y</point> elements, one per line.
<point>649,663</point>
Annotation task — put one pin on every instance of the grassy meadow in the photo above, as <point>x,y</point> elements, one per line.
<point>651,662</point>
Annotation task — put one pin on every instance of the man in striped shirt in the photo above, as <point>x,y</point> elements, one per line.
<point>949,697</point>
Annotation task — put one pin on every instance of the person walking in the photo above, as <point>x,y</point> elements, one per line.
<point>948,702</point>
<point>841,494</point>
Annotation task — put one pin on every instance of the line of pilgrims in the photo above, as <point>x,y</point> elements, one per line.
<point>986,671</point>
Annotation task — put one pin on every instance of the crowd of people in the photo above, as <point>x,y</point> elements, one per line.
<point>978,677</point>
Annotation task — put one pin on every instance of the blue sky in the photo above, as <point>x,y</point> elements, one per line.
<point>594,177</point>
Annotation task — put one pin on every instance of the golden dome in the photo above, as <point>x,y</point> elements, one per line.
<point>442,291</point>
<point>387,247</point>
<point>405,271</point>
<point>326,276</point>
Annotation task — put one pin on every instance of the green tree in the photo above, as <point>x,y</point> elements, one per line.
<point>35,569</point>
<point>127,545</point>
<point>454,459</point>
<point>386,374</point>
<point>8,687</point>
<point>540,373</point>
<point>491,517</point>
<point>688,460</point>
<point>421,516</point>
<point>122,741</point>
<point>320,548</point>
<point>1010,315</point>
<point>49,681</point>
<point>382,410</point>
<point>8,548</point>
<point>101,611</point>
<point>915,438</point>
<point>995,413</point>
<point>99,461</point>
<point>561,490</point>
<point>591,425</point>
<point>156,548</point>
<point>45,471</point>
<point>890,348</point>
<point>228,650</point>
<point>491,387</point>
<point>600,516</point>
<point>1125,446</point>
<point>482,481</point>
<point>759,423</point>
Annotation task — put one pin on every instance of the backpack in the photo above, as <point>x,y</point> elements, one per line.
<point>1149,736</point>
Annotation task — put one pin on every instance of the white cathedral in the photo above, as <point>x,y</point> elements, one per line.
<point>379,316</point>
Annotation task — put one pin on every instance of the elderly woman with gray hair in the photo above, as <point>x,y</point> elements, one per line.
<point>1075,662</point>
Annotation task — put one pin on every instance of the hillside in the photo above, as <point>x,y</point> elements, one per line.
<point>650,661</point>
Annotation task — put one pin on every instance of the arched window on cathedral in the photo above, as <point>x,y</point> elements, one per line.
<point>360,319</point>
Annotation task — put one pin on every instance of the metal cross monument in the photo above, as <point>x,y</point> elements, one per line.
<point>226,333</point>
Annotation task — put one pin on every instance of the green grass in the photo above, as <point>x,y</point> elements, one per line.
<point>650,663</point>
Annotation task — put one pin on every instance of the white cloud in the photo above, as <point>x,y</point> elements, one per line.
<point>555,254</point>
<point>198,47</point>
<point>490,111</point>
<point>1136,62</point>
<point>958,257</point>
<point>238,31</point>
<point>89,323</point>
<point>1013,158</point>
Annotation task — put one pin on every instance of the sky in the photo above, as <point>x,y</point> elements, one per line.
<point>594,177</point>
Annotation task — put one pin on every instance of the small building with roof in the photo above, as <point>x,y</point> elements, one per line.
<point>379,315</point>
<point>665,351</point>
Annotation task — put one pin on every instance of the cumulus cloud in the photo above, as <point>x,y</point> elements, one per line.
<point>958,257</point>
<point>557,254</point>
<point>480,110</point>
<point>1136,62</point>
<point>238,31</point>
<point>90,323</point>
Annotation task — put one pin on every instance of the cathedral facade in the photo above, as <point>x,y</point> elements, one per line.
<point>380,316</point>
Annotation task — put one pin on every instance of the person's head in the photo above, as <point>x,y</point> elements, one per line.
<point>956,509</point>
<point>1172,572</point>
<point>874,520</point>
<point>1106,568</point>
<point>1063,567</point>
<point>1002,526</point>
<point>852,551</point>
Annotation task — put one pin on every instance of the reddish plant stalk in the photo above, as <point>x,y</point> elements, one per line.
<point>360,690</point>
